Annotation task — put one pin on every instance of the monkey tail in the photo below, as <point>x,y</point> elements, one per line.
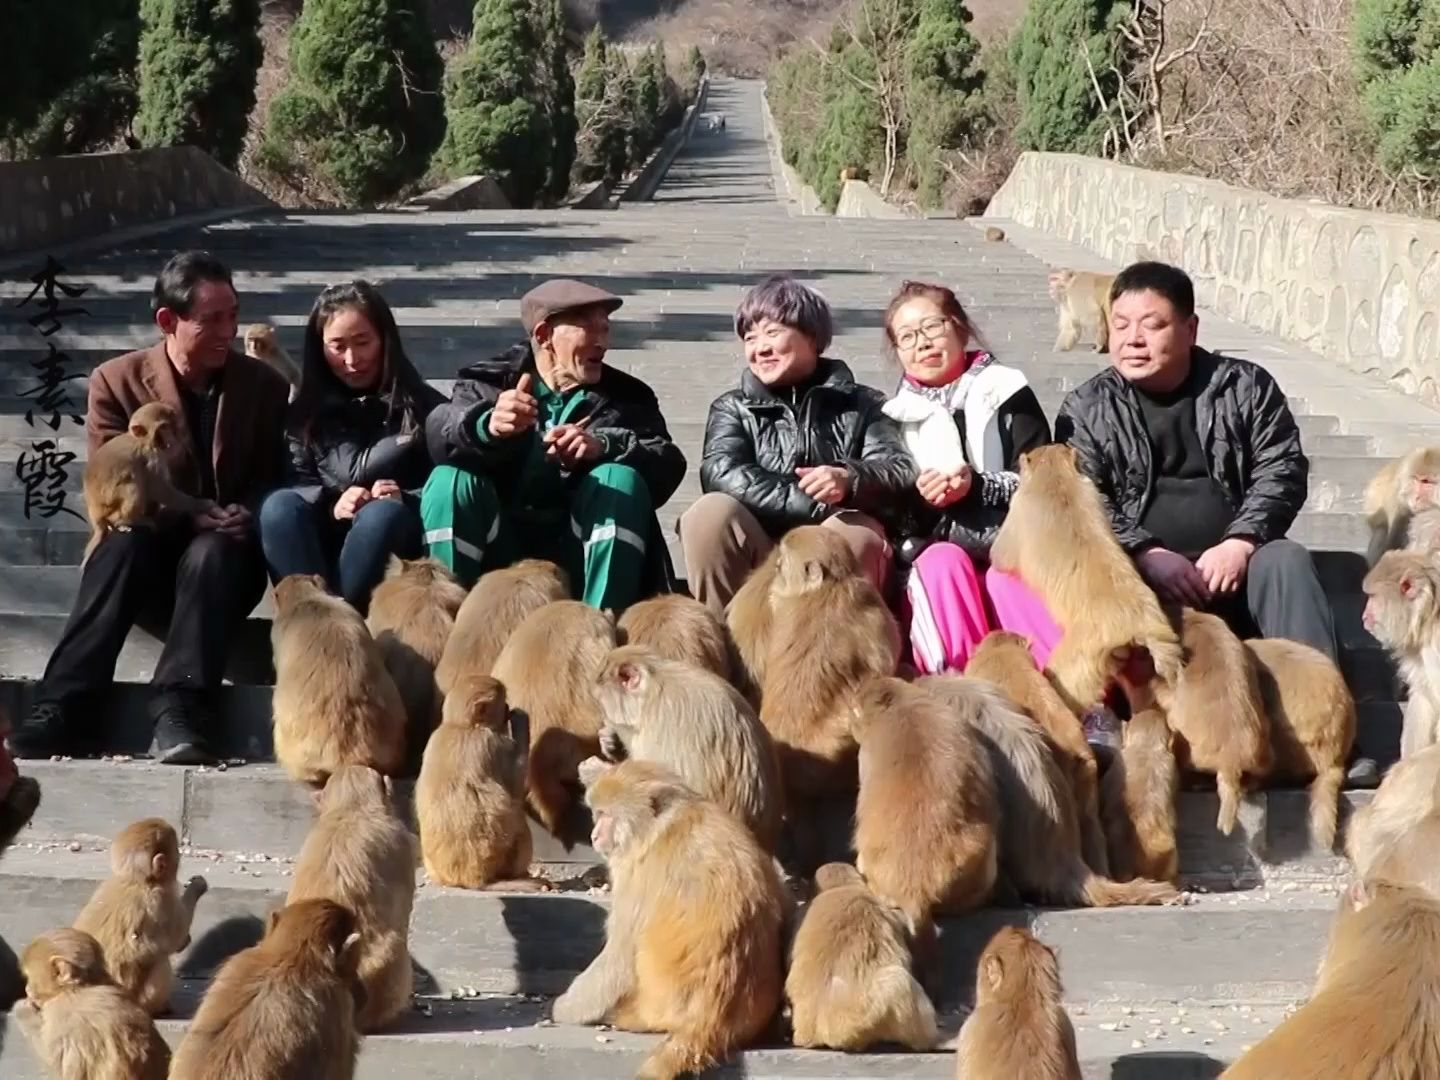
<point>1325,805</point>
<point>1102,892</point>
<point>1231,791</point>
<point>681,1054</point>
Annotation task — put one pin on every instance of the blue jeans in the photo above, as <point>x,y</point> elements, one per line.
<point>299,537</point>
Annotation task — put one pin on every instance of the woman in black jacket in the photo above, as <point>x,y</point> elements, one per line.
<point>799,442</point>
<point>356,433</point>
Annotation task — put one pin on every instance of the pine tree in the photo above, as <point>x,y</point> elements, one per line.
<point>561,97</point>
<point>601,109</point>
<point>497,123</point>
<point>695,64</point>
<point>943,91</point>
<point>1058,107</point>
<point>1397,62</point>
<point>645,104</point>
<point>362,113</point>
<point>198,62</point>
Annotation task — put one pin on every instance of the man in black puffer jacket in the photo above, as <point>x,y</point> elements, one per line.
<point>1199,465</point>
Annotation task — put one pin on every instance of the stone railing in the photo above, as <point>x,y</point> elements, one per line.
<point>56,200</point>
<point>1358,287</point>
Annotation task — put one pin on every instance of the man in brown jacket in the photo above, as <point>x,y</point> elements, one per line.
<point>201,575</point>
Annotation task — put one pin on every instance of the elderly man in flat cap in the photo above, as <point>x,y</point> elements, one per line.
<point>547,452</point>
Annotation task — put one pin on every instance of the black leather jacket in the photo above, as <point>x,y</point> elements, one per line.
<point>1250,438</point>
<point>756,438</point>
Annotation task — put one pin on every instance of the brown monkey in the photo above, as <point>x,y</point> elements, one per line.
<point>470,798</point>
<point>1082,300</point>
<point>411,615</point>
<point>679,628</point>
<point>497,605</point>
<point>927,816</point>
<point>262,344</point>
<point>692,943</point>
<point>994,234</point>
<point>1088,583</point>
<point>1217,713</point>
<point>1402,504</point>
<point>285,1009</point>
<point>140,915</point>
<point>359,855</point>
<point>19,795</point>
<point>79,1023</point>
<point>1018,1028</point>
<point>1396,835</point>
<point>849,985</point>
<point>128,480</point>
<point>1004,659</point>
<point>1312,725</point>
<point>334,703</point>
<point>696,724</point>
<point>1039,833</point>
<point>1402,606</point>
<point>549,667</point>
<point>1138,793</point>
<point>1373,1013</point>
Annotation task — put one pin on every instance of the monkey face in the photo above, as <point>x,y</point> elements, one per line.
<point>602,836</point>
<point>1400,598</point>
<point>1421,489</point>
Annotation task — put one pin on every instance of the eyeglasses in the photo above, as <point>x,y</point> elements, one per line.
<point>932,328</point>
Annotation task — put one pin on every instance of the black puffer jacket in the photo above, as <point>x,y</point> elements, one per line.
<point>356,440</point>
<point>1249,436</point>
<point>756,438</point>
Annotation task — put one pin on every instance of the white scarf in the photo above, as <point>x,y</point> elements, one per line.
<point>926,418</point>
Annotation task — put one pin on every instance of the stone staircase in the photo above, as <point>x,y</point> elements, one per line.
<point>1170,993</point>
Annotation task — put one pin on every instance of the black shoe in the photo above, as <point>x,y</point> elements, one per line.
<point>1363,774</point>
<point>44,733</point>
<point>181,717</point>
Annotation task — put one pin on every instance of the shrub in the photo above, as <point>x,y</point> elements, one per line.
<point>943,92</point>
<point>1058,107</point>
<point>1397,61</point>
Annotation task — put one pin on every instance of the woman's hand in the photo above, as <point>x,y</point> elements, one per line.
<point>942,489</point>
<point>349,503</point>
<point>385,489</point>
<point>828,484</point>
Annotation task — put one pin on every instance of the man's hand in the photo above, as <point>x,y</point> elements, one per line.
<point>1174,577</point>
<point>210,519</point>
<point>1223,566</point>
<point>942,489</point>
<point>571,444</point>
<point>237,521</point>
<point>385,489</point>
<point>350,502</point>
<point>828,484</point>
<point>515,411</point>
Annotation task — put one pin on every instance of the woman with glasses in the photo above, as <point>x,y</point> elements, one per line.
<point>965,420</point>
<point>356,433</point>
<point>798,442</point>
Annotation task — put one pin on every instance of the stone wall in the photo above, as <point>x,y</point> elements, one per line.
<point>1358,287</point>
<point>60,199</point>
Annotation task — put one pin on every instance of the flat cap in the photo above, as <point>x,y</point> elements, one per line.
<point>562,294</point>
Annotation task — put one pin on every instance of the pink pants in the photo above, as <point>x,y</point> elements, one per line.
<point>951,610</point>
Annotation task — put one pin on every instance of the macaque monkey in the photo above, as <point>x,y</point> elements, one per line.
<point>697,725</point>
<point>1088,583</point>
<point>19,796</point>
<point>849,985</point>
<point>411,615</point>
<point>285,1009</point>
<point>140,915</point>
<point>1138,793</point>
<point>824,630</point>
<point>548,668</point>
<point>129,479</point>
<point>500,601</point>
<point>994,234</point>
<point>1402,504</point>
<point>1373,1013</point>
<point>262,344</point>
<point>679,628</point>
<point>359,855</point>
<point>1019,1027</point>
<point>1082,301</point>
<point>1396,835</point>
<point>927,818</point>
<point>470,798</point>
<point>1402,606</point>
<point>79,1023</point>
<point>1312,725</point>
<point>334,702</point>
<point>1216,712</point>
<point>1005,659</point>
<point>693,939</point>
<point>1039,833</point>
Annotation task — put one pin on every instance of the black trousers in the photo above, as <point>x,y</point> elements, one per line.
<point>1281,597</point>
<point>194,589</point>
